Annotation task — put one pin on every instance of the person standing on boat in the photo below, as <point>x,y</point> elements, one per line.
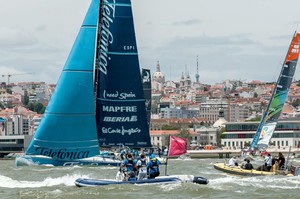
<point>233,162</point>
<point>128,167</point>
<point>153,167</point>
<point>281,161</point>
<point>142,167</point>
<point>159,152</point>
<point>268,162</point>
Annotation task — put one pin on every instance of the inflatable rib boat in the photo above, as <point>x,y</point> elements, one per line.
<point>84,182</point>
<point>240,171</point>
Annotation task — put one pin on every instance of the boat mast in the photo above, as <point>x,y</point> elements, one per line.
<point>97,54</point>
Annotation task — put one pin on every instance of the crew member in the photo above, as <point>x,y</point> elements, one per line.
<point>128,167</point>
<point>232,162</point>
<point>153,167</point>
<point>142,167</point>
<point>248,165</point>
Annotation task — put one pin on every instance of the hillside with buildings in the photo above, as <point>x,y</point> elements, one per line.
<point>217,115</point>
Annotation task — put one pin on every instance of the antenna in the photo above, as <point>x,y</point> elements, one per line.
<point>197,74</point>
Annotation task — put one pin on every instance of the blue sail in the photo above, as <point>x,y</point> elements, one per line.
<point>121,112</point>
<point>68,128</point>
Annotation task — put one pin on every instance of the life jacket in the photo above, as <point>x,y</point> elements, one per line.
<point>143,166</point>
<point>154,170</point>
<point>129,165</point>
<point>144,163</point>
<point>154,165</point>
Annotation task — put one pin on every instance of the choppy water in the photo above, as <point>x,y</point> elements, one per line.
<point>58,182</point>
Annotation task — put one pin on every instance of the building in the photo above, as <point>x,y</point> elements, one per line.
<point>14,144</point>
<point>160,138</point>
<point>178,113</point>
<point>238,112</point>
<point>16,129</point>
<point>237,135</point>
<point>206,136</point>
<point>210,110</point>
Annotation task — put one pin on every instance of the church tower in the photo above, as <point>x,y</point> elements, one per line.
<point>158,76</point>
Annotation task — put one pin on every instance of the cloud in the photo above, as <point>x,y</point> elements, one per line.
<point>188,22</point>
<point>15,37</point>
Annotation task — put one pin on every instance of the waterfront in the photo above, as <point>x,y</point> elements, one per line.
<point>58,182</point>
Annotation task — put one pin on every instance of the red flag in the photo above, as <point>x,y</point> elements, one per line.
<point>177,146</point>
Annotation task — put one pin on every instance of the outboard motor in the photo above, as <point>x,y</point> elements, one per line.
<point>200,180</point>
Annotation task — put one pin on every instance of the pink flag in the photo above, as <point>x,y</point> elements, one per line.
<point>177,146</point>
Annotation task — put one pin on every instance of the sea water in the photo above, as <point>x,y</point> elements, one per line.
<point>58,182</point>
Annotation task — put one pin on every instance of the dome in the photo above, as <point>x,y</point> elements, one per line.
<point>219,123</point>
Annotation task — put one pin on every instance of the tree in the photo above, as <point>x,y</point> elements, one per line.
<point>247,144</point>
<point>26,99</point>
<point>222,130</point>
<point>257,119</point>
<point>154,108</point>
<point>9,104</point>
<point>36,107</point>
<point>168,127</point>
<point>2,105</point>
<point>39,108</point>
<point>255,95</point>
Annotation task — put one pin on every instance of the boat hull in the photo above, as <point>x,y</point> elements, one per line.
<point>243,172</point>
<point>28,160</point>
<point>84,182</point>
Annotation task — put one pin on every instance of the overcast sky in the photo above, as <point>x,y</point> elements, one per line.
<point>234,39</point>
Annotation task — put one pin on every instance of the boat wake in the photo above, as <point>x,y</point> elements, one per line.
<point>274,182</point>
<point>67,180</point>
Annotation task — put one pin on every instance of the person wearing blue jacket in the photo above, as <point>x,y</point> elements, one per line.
<point>153,167</point>
<point>128,167</point>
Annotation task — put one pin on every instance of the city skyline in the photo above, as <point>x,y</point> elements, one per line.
<point>244,40</point>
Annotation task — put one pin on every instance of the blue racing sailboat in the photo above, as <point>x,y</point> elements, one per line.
<point>270,118</point>
<point>99,99</point>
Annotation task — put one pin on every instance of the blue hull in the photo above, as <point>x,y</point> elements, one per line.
<point>84,182</point>
<point>43,160</point>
